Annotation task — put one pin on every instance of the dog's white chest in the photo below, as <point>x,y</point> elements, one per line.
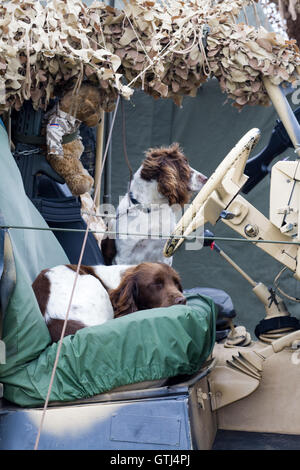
<point>90,304</point>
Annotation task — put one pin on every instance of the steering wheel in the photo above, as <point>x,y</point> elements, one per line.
<point>193,217</point>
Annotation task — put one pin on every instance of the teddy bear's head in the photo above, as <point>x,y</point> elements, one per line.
<point>84,105</point>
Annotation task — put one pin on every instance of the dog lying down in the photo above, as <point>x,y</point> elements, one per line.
<point>103,293</point>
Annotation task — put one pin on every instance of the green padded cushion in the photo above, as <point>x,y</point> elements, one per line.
<point>145,345</point>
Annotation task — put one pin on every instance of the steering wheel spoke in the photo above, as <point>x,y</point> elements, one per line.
<point>226,181</point>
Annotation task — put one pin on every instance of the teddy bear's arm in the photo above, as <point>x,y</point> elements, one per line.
<point>57,127</point>
<point>55,133</point>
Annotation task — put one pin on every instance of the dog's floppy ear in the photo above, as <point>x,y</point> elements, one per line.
<point>151,165</point>
<point>124,297</point>
<point>169,182</point>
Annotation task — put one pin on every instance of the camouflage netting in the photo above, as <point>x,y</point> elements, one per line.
<point>239,55</point>
<point>42,48</point>
<point>166,48</point>
<point>162,49</point>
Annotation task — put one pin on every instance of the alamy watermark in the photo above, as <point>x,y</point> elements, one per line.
<point>151,222</point>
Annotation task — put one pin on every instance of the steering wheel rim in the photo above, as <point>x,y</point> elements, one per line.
<point>236,159</point>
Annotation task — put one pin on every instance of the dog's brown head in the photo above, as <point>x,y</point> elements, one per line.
<point>170,168</point>
<point>145,286</point>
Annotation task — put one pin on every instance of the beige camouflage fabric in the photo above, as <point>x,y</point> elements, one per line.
<point>58,124</point>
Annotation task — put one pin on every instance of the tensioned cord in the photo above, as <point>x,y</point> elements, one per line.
<point>136,234</point>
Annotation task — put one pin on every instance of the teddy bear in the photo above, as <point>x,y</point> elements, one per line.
<point>64,145</point>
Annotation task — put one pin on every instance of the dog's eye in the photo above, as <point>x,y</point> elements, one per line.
<point>177,283</point>
<point>157,284</point>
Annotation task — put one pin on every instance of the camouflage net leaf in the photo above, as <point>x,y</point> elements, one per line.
<point>168,49</point>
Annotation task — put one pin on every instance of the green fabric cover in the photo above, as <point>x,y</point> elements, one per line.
<point>34,249</point>
<point>24,331</point>
<point>146,345</point>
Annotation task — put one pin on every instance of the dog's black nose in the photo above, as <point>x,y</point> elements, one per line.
<point>180,301</point>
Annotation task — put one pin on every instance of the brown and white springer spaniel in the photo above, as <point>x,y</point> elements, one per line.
<point>103,293</point>
<point>154,203</point>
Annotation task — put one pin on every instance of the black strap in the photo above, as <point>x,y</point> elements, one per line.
<point>132,199</point>
<point>41,140</point>
<point>137,203</point>
<point>276,323</point>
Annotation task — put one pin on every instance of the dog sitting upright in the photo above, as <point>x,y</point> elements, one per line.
<point>160,188</point>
